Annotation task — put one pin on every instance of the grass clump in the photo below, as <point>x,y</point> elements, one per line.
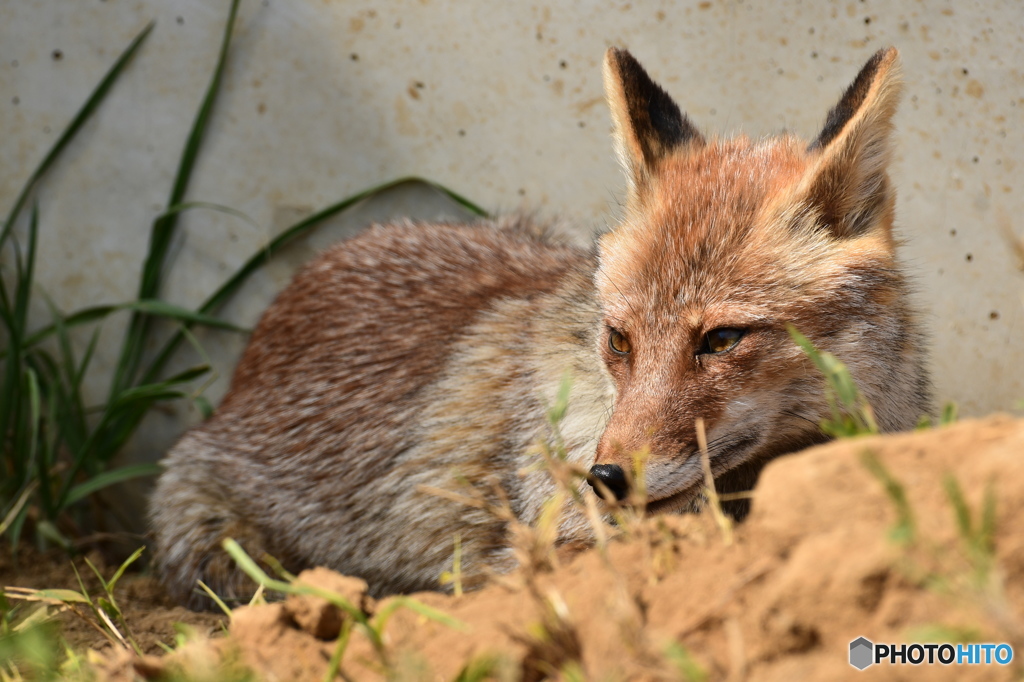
<point>851,415</point>
<point>56,450</point>
<point>904,531</point>
<point>30,635</point>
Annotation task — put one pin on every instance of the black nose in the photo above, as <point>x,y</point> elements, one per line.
<point>613,477</point>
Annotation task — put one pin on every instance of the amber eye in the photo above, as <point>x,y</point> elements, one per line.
<point>720,340</point>
<point>618,342</point>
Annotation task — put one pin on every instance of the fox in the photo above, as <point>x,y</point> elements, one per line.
<point>419,356</point>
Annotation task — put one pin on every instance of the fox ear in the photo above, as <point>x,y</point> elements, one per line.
<point>847,184</point>
<point>648,124</point>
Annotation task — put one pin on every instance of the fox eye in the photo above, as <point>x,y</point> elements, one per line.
<point>618,342</point>
<point>720,340</point>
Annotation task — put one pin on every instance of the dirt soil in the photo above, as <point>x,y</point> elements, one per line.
<point>825,557</point>
<point>150,614</point>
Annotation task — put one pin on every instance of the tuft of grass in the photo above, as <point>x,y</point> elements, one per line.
<point>56,451</point>
<point>31,646</point>
<point>851,415</point>
<point>454,576</point>
<point>101,613</point>
<point>978,539</point>
<point>683,663</point>
<point>950,413</point>
<point>904,531</point>
<point>490,667</point>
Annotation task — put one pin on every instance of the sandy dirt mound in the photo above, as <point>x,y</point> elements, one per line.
<point>857,538</point>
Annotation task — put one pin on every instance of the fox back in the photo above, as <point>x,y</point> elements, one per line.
<point>425,356</point>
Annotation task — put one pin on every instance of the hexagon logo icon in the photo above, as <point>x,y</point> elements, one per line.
<point>861,653</point>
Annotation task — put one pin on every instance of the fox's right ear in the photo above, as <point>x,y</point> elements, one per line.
<point>648,124</point>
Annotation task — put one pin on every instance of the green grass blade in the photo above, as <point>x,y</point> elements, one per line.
<point>19,423</point>
<point>68,420</point>
<point>125,413</point>
<point>161,390</point>
<point>454,196</point>
<point>64,345</point>
<point>482,668</point>
<point>150,307</point>
<point>26,276</point>
<point>684,663</point>
<point>112,583</point>
<point>260,577</point>
<point>165,226</point>
<point>148,393</point>
<point>198,131</point>
<point>99,576</point>
<point>988,518</point>
<point>35,425</point>
<point>83,316</point>
<point>404,602</point>
<point>852,415</point>
<point>216,599</point>
<point>127,407</point>
<point>63,596</point>
<point>46,530</point>
<point>63,381</point>
<point>17,526</point>
<point>960,509</point>
<point>17,508</point>
<point>79,377</point>
<point>904,531</point>
<point>54,435</point>
<point>12,389</point>
<point>107,478</point>
<point>334,665</point>
<point>220,208</point>
<point>170,311</point>
<point>90,106</point>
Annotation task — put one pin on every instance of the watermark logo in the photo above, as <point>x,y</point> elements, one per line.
<point>865,653</point>
<point>861,653</point>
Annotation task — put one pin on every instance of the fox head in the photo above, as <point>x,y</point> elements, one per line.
<point>723,244</point>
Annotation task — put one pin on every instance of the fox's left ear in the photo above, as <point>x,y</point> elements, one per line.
<point>847,183</point>
<point>648,124</point>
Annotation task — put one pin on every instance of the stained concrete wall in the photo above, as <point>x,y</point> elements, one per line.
<point>503,102</point>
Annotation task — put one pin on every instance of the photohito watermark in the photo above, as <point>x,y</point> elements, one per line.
<point>864,653</point>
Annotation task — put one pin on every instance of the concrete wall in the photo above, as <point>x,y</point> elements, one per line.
<point>501,101</point>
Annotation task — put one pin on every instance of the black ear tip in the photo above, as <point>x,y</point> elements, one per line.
<point>855,96</point>
<point>632,73</point>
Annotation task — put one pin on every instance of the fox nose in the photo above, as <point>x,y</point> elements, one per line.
<point>613,477</point>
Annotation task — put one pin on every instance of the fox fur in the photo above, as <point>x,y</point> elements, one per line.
<point>415,354</point>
